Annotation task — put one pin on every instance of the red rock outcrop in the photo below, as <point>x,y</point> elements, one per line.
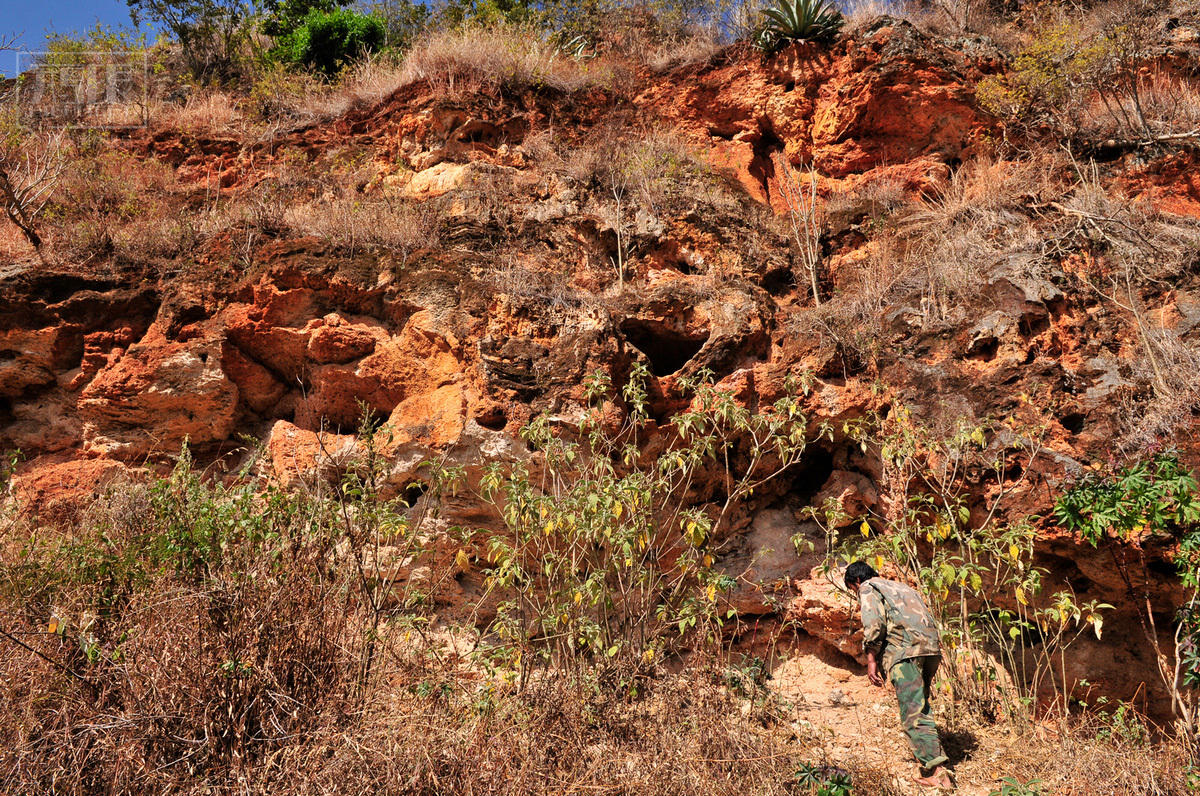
<point>455,349</point>
<point>890,98</point>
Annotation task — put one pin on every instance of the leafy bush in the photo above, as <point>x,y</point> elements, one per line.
<point>328,40</point>
<point>1011,786</point>
<point>1156,497</point>
<point>602,567</point>
<point>824,780</point>
<point>1148,497</point>
<point>285,16</point>
<point>799,20</point>
<point>212,33</point>
<point>976,573</point>
<point>1092,86</point>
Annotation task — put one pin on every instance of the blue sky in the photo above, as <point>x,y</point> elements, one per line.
<point>33,19</point>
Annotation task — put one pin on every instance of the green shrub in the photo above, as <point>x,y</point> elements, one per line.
<point>285,16</point>
<point>328,40</point>
<point>824,780</point>
<point>1085,86</point>
<point>602,567</point>
<point>1011,786</point>
<point>1156,498</point>
<point>798,20</point>
<point>1153,496</point>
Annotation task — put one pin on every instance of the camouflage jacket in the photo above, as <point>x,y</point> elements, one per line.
<point>896,623</point>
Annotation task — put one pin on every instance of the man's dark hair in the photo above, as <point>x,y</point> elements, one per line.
<point>857,573</point>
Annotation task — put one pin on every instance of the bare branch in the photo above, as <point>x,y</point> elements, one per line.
<point>27,181</point>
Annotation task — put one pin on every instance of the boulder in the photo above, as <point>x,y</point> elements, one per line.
<point>156,396</point>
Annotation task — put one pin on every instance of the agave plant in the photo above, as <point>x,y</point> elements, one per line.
<point>798,20</point>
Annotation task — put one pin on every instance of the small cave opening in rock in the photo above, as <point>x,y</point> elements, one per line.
<point>762,164</point>
<point>1073,421</point>
<point>1162,568</point>
<point>493,418</point>
<point>984,350</point>
<point>413,491</point>
<point>1033,325</point>
<point>805,479</point>
<point>779,281</point>
<point>667,349</point>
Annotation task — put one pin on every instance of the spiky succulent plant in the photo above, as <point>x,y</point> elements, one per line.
<point>798,20</point>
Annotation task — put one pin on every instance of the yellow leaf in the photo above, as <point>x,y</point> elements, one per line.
<point>878,563</point>
<point>1021,598</point>
<point>629,562</point>
<point>544,510</point>
<point>53,626</point>
<point>707,561</point>
<point>648,654</point>
<point>462,559</point>
<point>712,592</point>
<point>578,597</point>
<point>1014,552</point>
<point>865,529</point>
<point>617,509</point>
<point>550,527</point>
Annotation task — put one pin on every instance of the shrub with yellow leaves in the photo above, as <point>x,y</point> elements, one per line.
<point>603,567</point>
<point>974,569</point>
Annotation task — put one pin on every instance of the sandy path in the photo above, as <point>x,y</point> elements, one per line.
<point>858,722</point>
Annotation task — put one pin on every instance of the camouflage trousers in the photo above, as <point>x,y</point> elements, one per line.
<point>912,679</point>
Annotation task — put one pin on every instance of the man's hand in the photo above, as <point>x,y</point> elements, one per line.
<point>873,670</point>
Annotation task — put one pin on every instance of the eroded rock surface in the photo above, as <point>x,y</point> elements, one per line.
<point>456,348</point>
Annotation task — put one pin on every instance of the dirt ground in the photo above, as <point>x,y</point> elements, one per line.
<point>860,725</point>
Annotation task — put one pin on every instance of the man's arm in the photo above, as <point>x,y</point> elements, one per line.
<point>874,632</point>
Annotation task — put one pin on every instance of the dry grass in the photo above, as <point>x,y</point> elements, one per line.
<point>191,640</point>
<point>1138,256</point>
<point>209,112</point>
<point>698,49</point>
<point>860,13</point>
<point>382,223</point>
<point>947,248</point>
<point>457,62</point>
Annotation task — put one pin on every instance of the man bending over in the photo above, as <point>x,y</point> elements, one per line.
<point>900,634</point>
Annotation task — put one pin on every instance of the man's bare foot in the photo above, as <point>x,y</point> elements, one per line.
<point>938,778</point>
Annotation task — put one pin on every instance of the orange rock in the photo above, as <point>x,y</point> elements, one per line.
<point>888,96</point>
<point>334,340</point>
<point>31,358</point>
<point>257,387</point>
<point>418,360</point>
<point>434,418</point>
<point>282,349</point>
<point>828,614</point>
<point>58,488</point>
<point>157,395</point>
<point>299,457</point>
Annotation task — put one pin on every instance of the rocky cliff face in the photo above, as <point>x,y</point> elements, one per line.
<point>110,368</point>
